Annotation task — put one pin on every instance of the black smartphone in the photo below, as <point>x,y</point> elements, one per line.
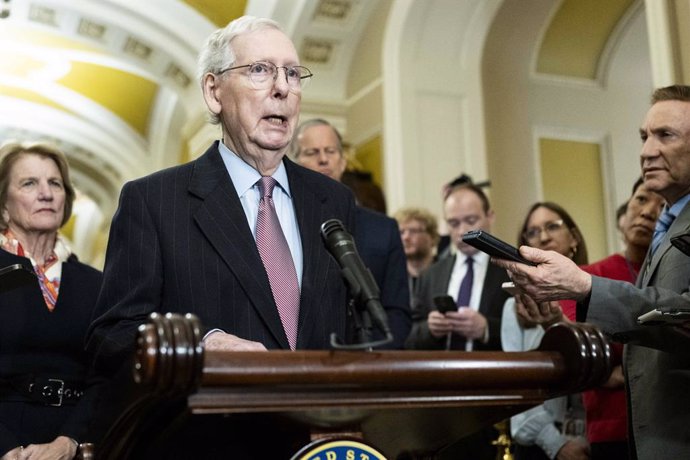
<point>445,303</point>
<point>15,276</point>
<point>488,243</point>
<point>682,243</point>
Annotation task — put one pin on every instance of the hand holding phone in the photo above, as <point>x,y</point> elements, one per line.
<point>445,303</point>
<point>496,248</point>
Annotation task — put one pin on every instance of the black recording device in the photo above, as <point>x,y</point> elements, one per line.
<point>445,303</point>
<point>682,243</point>
<point>361,282</point>
<point>496,248</point>
<point>15,276</point>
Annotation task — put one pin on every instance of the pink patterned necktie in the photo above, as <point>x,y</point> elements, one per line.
<point>275,254</point>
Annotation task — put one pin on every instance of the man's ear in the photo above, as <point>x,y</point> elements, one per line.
<point>342,165</point>
<point>491,216</point>
<point>210,90</point>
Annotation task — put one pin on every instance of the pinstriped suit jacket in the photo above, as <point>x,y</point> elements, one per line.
<point>180,242</point>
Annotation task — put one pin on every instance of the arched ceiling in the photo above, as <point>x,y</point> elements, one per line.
<point>114,79</point>
<point>112,82</point>
<point>578,36</point>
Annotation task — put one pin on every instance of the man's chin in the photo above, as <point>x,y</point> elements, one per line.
<point>467,249</point>
<point>279,146</point>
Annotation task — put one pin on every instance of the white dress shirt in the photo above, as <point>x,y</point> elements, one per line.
<point>480,265</point>
<point>244,178</point>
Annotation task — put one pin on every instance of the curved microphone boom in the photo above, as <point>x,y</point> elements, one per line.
<point>360,280</point>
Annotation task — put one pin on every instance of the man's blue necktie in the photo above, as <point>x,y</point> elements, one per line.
<point>662,226</point>
<point>454,341</point>
<point>466,286</point>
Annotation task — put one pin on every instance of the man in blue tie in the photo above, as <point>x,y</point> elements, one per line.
<point>468,277</point>
<point>658,381</point>
<point>475,286</point>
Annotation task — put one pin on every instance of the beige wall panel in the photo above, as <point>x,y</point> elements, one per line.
<point>572,177</point>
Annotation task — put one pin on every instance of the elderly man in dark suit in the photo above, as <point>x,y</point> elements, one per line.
<point>186,239</point>
<point>233,237</point>
<point>317,145</point>
<point>657,376</point>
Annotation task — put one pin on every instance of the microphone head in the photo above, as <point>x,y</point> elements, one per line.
<point>331,226</point>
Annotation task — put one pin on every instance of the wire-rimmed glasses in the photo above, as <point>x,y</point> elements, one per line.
<point>534,233</point>
<point>263,74</point>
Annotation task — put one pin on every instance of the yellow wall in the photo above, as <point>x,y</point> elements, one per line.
<point>368,155</point>
<point>574,42</point>
<point>572,177</point>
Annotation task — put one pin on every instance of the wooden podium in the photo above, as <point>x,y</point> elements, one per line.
<point>407,404</point>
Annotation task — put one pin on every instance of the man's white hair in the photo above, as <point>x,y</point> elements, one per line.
<point>217,53</point>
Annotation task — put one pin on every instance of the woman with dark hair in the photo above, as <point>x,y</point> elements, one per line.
<point>554,224</point>
<point>540,433</point>
<point>43,411</point>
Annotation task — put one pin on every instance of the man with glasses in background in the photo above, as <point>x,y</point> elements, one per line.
<point>419,234</point>
<point>317,145</point>
<point>467,277</point>
<point>232,237</point>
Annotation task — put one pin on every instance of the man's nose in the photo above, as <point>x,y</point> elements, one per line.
<point>323,157</point>
<point>280,83</point>
<point>650,149</point>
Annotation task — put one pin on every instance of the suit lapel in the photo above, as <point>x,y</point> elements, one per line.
<point>680,225</point>
<point>442,282</point>
<point>221,219</point>
<point>490,289</point>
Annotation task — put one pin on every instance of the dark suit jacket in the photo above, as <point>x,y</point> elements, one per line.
<point>180,242</point>
<point>39,343</point>
<point>657,382</point>
<point>434,282</point>
<point>378,242</point>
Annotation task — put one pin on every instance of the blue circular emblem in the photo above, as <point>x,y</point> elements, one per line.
<point>338,449</point>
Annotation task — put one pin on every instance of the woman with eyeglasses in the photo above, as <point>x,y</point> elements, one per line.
<point>546,431</point>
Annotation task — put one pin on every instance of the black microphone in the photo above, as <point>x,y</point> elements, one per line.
<point>360,280</point>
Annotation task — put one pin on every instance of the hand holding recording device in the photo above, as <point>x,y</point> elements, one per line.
<point>496,248</point>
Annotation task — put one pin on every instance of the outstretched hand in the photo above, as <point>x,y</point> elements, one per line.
<point>530,312</point>
<point>555,277</point>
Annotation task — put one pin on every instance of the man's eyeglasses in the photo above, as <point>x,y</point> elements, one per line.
<point>412,230</point>
<point>263,74</point>
<point>551,228</point>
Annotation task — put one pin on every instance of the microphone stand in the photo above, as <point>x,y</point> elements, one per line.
<point>361,319</point>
